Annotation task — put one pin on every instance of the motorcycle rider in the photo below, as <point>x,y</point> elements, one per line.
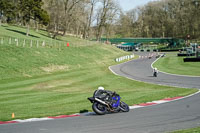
<point>104,94</point>
<point>155,72</point>
<point>104,101</point>
<point>101,92</point>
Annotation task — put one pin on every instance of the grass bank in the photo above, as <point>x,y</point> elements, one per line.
<point>173,64</point>
<point>50,81</point>
<point>192,130</point>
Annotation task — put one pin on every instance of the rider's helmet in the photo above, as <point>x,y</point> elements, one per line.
<point>100,88</point>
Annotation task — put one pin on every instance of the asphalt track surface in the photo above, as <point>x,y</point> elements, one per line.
<point>180,114</point>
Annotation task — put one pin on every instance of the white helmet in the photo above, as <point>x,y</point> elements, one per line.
<point>100,88</point>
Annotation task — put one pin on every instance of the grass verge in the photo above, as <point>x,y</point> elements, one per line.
<point>192,130</point>
<point>173,64</point>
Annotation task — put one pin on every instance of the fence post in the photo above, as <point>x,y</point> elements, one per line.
<point>43,43</point>
<point>31,45</point>
<point>24,43</point>
<point>17,42</point>
<point>1,40</point>
<point>37,43</point>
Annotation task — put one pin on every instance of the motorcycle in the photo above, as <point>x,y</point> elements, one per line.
<point>155,74</point>
<point>108,104</point>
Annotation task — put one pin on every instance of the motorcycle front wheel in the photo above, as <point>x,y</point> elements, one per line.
<point>99,108</point>
<point>124,107</point>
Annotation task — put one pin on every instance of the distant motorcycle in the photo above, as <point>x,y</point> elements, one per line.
<point>108,104</point>
<point>155,74</point>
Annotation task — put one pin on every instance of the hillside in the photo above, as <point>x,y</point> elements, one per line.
<point>26,61</point>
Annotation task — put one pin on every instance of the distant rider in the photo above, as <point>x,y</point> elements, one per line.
<point>155,72</point>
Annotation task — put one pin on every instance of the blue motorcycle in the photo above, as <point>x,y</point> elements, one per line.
<point>108,104</point>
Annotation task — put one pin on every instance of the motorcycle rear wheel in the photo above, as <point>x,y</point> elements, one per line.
<point>99,108</point>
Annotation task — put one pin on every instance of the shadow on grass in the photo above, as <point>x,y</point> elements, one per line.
<point>23,33</point>
<point>4,26</point>
<point>45,35</point>
<point>84,111</point>
<point>50,37</point>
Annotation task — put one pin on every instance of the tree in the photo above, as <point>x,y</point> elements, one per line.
<point>89,17</point>
<point>69,9</point>
<point>40,17</point>
<point>32,9</point>
<point>55,11</point>
<point>125,25</point>
<point>8,10</point>
<point>105,16</point>
<point>65,16</point>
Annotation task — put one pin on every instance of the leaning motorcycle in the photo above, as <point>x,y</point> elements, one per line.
<point>108,104</point>
<point>155,74</point>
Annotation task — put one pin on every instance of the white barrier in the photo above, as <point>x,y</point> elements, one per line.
<point>127,57</point>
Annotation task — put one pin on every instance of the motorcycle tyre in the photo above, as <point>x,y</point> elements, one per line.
<point>124,107</point>
<point>97,110</point>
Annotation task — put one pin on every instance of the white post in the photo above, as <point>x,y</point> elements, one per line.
<point>24,43</point>
<point>43,43</point>
<point>17,42</point>
<point>31,45</point>
<point>37,43</point>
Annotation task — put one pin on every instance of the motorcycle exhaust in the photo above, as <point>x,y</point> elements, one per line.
<point>101,101</point>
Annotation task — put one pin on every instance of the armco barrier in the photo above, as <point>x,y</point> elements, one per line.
<point>127,57</point>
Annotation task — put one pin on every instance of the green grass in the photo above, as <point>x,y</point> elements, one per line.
<point>50,81</point>
<point>175,65</point>
<point>192,130</point>
<point>9,34</point>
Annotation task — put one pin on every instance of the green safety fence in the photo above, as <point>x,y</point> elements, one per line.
<point>171,41</point>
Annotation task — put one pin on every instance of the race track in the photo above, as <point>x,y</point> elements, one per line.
<point>180,114</point>
<point>141,70</point>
